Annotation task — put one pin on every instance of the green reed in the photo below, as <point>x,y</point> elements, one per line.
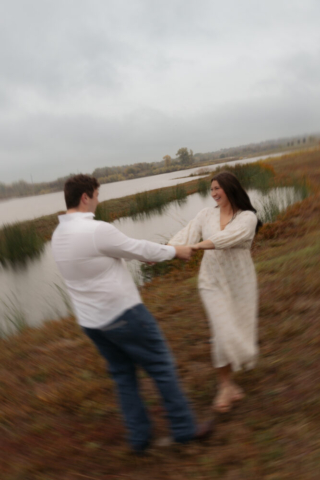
<point>301,186</point>
<point>145,202</point>
<point>156,201</point>
<point>65,298</point>
<point>180,192</point>
<point>103,212</point>
<point>203,186</point>
<point>269,209</point>
<point>251,175</point>
<point>13,316</point>
<point>19,243</point>
<point>278,199</point>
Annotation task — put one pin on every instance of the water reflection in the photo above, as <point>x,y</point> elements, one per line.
<point>31,294</point>
<point>36,292</point>
<point>159,227</point>
<point>19,209</point>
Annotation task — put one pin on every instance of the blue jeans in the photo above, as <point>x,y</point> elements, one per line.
<point>134,339</point>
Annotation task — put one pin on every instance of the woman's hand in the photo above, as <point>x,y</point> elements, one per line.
<point>205,245</point>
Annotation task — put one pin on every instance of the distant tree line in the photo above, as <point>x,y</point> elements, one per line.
<point>184,158</point>
<point>103,174</point>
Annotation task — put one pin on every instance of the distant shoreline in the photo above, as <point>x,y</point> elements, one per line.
<point>180,167</point>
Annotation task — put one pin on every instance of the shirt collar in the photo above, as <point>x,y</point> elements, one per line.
<point>75,216</point>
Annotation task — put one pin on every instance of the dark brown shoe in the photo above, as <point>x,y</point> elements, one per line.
<point>204,430</point>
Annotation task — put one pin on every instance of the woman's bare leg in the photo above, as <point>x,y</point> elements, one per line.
<point>228,391</point>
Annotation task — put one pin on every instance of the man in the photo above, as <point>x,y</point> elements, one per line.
<point>108,306</point>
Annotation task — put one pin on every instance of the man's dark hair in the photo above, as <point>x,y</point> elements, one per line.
<point>76,186</point>
<point>236,194</point>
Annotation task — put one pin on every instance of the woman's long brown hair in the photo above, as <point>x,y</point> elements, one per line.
<point>237,196</point>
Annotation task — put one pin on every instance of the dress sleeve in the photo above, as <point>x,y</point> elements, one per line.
<point>111,242</point>
<point>241,229</point>
<point>190,234</point>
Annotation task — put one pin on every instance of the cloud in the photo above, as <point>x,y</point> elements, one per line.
<point>86,84</point>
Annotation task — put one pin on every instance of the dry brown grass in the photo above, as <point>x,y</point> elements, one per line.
<point>59,417</point>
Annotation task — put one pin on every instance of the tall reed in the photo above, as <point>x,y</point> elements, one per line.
<point>14,317</point>
<point>203,186</point>
<point>180,192</point>
<point>252,175</point>
<point>269,209</point>
<point>65,298</point>
<point>276,200</point>
<point>146,203</point>
<point>302,186</point>
<point>19,243</point>
<point>103,213</point>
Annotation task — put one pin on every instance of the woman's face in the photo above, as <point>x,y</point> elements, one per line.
<point>218,194</point>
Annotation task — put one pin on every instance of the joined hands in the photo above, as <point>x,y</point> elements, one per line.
<point>185,252</point>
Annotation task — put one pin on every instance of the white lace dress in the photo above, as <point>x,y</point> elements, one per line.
<point>227,284</point>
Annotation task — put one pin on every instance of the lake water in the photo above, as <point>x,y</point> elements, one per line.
<point>36,292</point>
<point>27,208</point>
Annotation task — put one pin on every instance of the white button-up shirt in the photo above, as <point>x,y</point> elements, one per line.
<point>89,255</point>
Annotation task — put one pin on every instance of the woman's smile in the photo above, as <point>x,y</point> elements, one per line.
<point>218,194</point>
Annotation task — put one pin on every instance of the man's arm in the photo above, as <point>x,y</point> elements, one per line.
<point>111,242</point>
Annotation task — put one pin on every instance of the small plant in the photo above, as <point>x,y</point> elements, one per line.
<point>302,187</point>
<point>147,202</point>
<point>19,243</point>
<point>203,187</point>
<point>180,192</point>
<point>103,213</point>
<point>14,317</point>
<point>65,298</point>
<point>277,200</point>
<point>269,208</point>
<point>252,175</point>
<point>148,272</point>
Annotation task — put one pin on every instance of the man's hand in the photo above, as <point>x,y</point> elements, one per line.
<point>184,253</point>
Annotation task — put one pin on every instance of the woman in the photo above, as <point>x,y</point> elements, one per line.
<point>227,280</point>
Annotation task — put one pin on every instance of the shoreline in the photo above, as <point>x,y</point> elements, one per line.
<point>187,167</point>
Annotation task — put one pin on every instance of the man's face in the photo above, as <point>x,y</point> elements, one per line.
<point>93,202</point>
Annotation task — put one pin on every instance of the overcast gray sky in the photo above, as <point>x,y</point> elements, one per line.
<point>90,83</point>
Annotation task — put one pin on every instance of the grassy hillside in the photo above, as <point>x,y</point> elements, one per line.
<point>58,413</point>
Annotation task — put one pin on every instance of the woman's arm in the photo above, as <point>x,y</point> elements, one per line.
<point>205,245</point>
<point>241,229</point>
<point>190,234</point>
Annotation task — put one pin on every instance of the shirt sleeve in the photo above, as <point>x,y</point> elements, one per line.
<point>190,234</point>
<point>111,242</point>
<point>242,228</point>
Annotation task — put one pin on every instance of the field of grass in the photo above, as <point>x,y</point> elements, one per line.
<point>59,418</point>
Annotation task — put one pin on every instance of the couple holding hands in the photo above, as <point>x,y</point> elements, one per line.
<point>90,256</point>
